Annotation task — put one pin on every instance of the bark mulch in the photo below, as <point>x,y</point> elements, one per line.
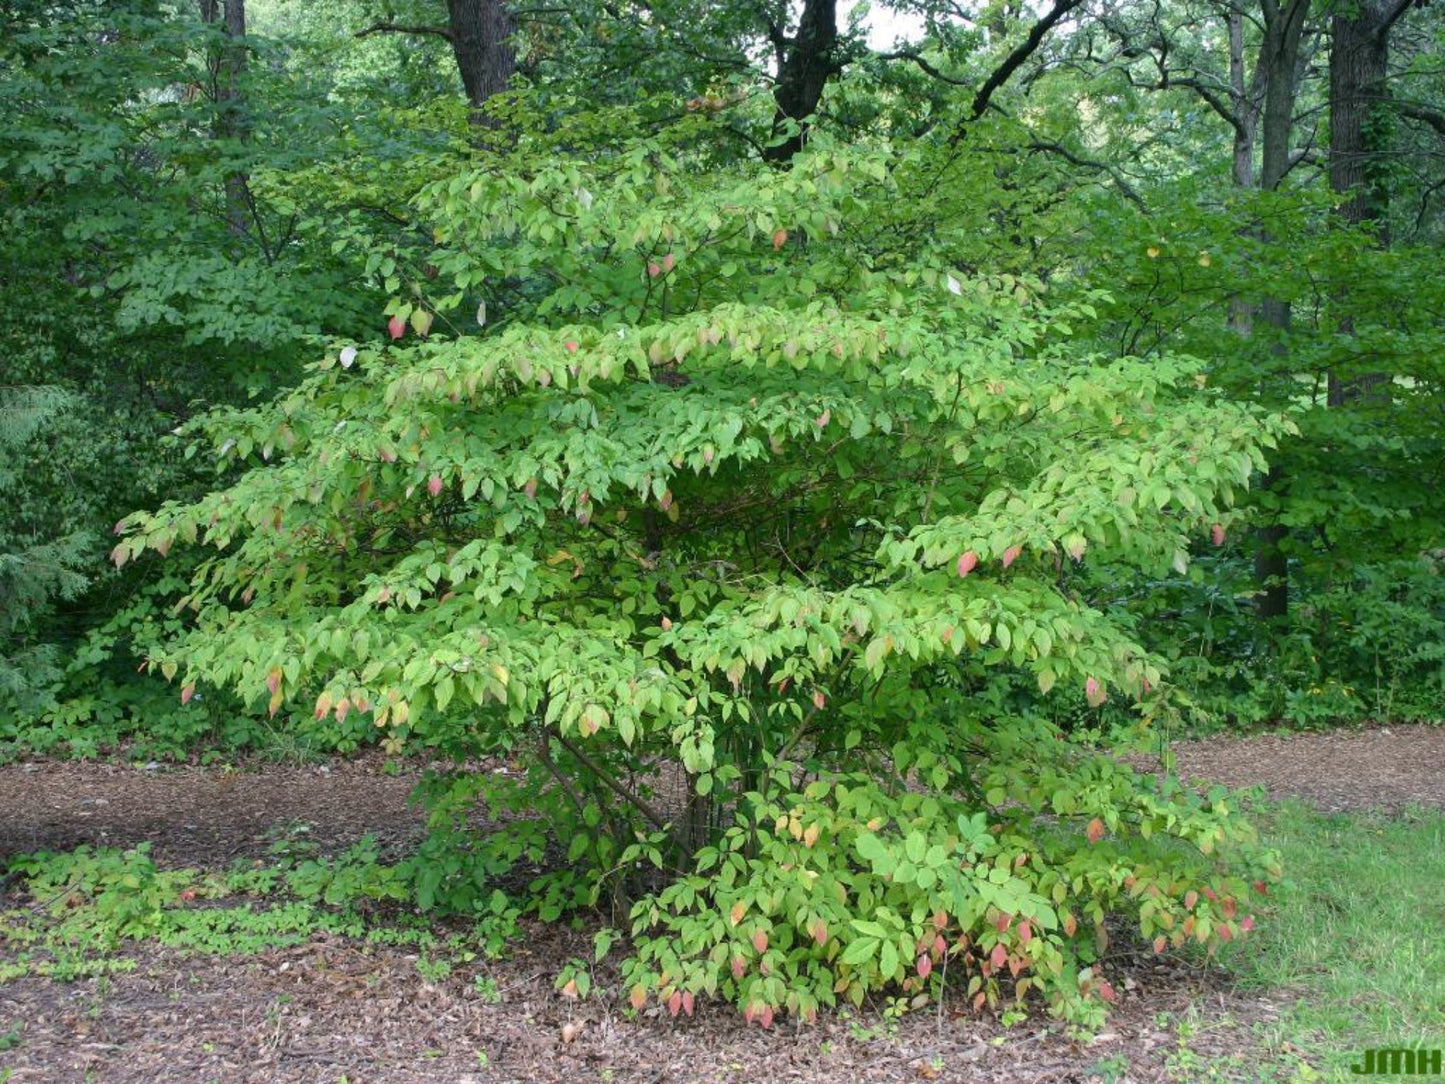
<point>333,1009</point>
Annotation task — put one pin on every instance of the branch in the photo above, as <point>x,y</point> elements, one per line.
<point>1427,116</point>
<point>1016,59</point>
<point>631,798</point>
<point>928,68</point>
<point>1125,188</point>
<point>399,28</point>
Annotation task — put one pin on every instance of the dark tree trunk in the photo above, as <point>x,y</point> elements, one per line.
<point>228,65</point>
<point>806,62</point>
<point>1279,54</point>
<point>1359,57</point>
<point>481,39</point>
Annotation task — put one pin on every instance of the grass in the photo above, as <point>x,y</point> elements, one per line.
<point>1356,934</point>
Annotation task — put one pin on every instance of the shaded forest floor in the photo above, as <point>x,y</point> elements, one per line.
<point>336,1009</point>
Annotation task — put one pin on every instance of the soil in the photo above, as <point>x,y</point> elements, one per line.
<point>332,1010</point>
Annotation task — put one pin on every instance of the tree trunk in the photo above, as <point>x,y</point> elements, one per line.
<point>228,65</point>
<point>481,37</point>
<point>1279,54</point>
<point>1359,55</point>
<point>805,64</point>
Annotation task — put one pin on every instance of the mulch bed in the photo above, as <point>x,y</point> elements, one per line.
<point>332,1009</point>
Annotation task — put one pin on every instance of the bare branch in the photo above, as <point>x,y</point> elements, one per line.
<point>1016,59</point>
<point>1425,116</point>
<point>399,28</point>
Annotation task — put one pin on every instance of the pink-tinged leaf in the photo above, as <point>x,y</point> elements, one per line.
<point>924,967</point>
<point>760,940</point>
<point>1248,924</point>
<point>348,357</point>
<point>396,326</point>
<point>653,270</point>
<point>1190,899</point>
<point>1071,925</point>
<point>667,627</point>
<point>820,932</point>
<point>1094,692</point>
<point>766,1016</point>
<point>434,485</point>
<point>638,997</point>
<point>749,1011</point>
<point>669,262</point>
<point>273,681</point>
<point>1261,888</point>
<point>1011,555</point>
<point>187,692</point>
<point>780,238</point>
<point>687,1002</point>
<point>999,956</point>
<point>1026,933</point>
<point>571,346</point>
<point>967,562</point>
<point>739,910</point>
<point>120,526</point>
<point>1106,991</point>
<point>708,454</point>
<point>674,1003</point>
<point>1159,945</point>
<point>940,946</point>
<point>819,700</point>
<point>1210,895</point>
<point>1095,830</point>
<point>1003,922</point>
<point>530,489</point>
<point>388,455</point>
<point>1229,907</point>
<point>1217,533</point>
<point>739,967</point>
<point>343,709</point>
<point>120,555</point>
<point>822,420</point>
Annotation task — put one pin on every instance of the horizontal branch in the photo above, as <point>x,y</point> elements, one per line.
<point>402,28</point>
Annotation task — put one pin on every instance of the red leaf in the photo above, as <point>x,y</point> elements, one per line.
<point>434,485</point>
<point>924,965</point>
<point>999,956</point>
<point>819,700</point>
<point>820,932</point>
<point>822,420</point>
<point>780,238</point>
<point>674,1003</point>
<point>1247,924</point>
<point>1217,533</point>
<point>1094,692</point>
<point>1190,899</point>
<point>1159,944</point>
<point>639,997</point>
<point>1071,925</point>
<point>653,270</point>
<point>1096,830</point>
<point>530,489</point>
<point>669,262</point>
<point>1261,888</point>
<point>571,346</point>
<point>967,562</point>
<point>1107,992</point>
<point>1026,933</point>
<point>687,1002</point>
<point>1003,922</point>
<point>1011,555</point>
<point>397,326</point>
<point>740,968</point>
<point>767,1016</point>
<point>760,940</point>
<point>273,682</point>
<point>188,692</point>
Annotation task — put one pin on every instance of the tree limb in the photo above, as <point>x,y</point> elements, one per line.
<point>927,68</point>
<point>1426,116</point>
<point>1015,60</point>
<point>1125,188</point>
<point>400,28</point>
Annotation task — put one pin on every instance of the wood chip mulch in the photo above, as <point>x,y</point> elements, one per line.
<point>332,1009</point>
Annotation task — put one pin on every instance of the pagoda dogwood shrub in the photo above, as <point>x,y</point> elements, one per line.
<point>747,538</point>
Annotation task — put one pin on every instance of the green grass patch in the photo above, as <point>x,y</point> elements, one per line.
<point>1356,933</point>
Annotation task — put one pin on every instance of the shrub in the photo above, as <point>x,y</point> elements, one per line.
<point>728,498</point>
